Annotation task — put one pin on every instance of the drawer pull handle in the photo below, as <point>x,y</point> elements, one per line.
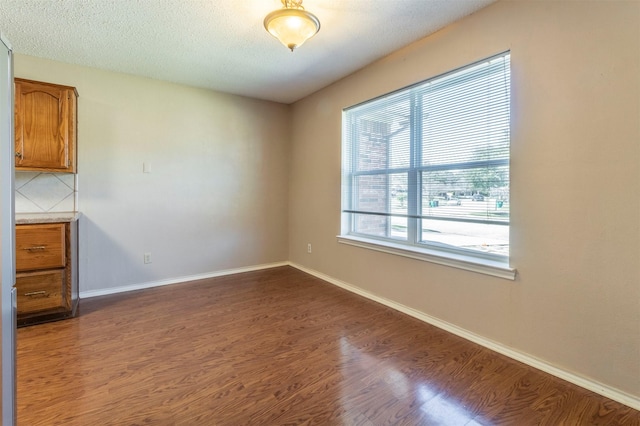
<point>36,293</point>
<point>35,248</point>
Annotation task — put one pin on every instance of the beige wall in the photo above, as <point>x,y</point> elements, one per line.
<point>216,197</point>
<point>575,235</point>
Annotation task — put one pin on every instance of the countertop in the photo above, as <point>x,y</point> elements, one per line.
<point>25,218</point>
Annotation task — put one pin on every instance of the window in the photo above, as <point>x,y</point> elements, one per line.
<point>426,169</point>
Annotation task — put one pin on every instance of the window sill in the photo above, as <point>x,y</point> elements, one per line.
<point>468,263</point>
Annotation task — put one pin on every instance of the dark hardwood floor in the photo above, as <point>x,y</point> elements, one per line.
<point>277,347</point>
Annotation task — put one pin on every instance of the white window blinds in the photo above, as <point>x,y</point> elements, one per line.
<point>428,165</point>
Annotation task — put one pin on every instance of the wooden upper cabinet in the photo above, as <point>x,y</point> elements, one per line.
<point>46,126</point>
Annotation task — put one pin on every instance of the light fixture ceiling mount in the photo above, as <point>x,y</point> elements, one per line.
<point>292,25</point>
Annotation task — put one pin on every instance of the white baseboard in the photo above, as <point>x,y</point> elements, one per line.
<point>102,292</point>
<point>594,386</point>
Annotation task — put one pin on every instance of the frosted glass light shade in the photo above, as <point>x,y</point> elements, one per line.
<point>292,26</point>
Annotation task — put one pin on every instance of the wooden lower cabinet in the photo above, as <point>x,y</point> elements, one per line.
<point>46,272</point>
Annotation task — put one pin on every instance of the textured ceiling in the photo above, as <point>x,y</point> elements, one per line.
<point>222,44</point>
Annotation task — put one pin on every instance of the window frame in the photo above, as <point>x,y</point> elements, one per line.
<point>415,245</point>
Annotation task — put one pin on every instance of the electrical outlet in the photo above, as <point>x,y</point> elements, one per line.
<point>309,248</point>
<point>147,258</point>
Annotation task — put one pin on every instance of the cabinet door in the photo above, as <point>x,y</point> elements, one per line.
<point>44,126</point>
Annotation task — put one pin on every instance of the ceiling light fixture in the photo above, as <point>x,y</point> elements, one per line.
<point>292,25</point>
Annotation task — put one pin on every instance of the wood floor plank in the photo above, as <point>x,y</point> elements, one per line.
<point>277,347</point>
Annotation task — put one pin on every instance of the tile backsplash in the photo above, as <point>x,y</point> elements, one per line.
<point>38,192</point>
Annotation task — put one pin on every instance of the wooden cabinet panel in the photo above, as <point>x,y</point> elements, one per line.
<point>45,126</point>
<point>39,291</point>
<point>40,246</point>
<point>46,266</point>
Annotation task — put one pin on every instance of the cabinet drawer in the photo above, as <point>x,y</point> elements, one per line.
<point>40,246</point>
<point>38,291</point>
